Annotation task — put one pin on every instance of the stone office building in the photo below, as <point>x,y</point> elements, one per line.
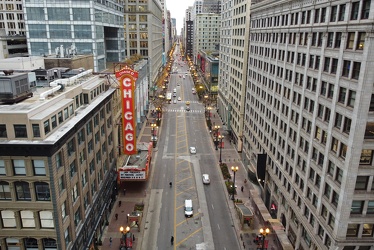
<point>57,155</point>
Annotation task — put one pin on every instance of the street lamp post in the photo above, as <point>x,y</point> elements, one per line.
<point>205,100</point>
<point>264,232</point>
<point>220,148</point>
<point>153,126</point>
<point>234,169</point>
<point>209,109</point>
<point>216,128</point>
<point>123,238</point>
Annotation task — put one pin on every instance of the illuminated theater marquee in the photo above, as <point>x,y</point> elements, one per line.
<point>127,78</point>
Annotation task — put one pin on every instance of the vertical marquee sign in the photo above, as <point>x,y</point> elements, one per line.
<point>127,78</point>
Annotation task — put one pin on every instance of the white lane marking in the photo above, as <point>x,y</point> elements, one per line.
<point>218,227</point>
<point>212,206</point>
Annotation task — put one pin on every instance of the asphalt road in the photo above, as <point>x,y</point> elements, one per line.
<point>211,226</point>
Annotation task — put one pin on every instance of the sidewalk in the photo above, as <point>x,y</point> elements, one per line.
<point>249,196</point>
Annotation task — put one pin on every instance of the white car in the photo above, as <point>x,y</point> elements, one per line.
<point>188,108</point>
<point>193,150</point>
<point>179,99</point>
<point>206,179</point>
<point>175,101</point>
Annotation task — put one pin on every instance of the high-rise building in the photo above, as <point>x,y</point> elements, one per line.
<point>206,33</point>
<point>309,119</point>
<point>87,27</point>
<point>58,151</point>
<point>233,64</point>
<point>12,29</point>
<point>144,32</point>
<point>211,6</point>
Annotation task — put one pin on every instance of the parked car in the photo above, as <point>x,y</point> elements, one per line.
<point>206,179</point>
<point>193,150</point>
<point>179,99</point>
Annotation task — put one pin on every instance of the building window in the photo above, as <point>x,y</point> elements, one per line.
<point>8,219</point>
<point>361,41</point>
<point>23,191</point>
<point>341,12</point>
<point>343,150</point>
<point>366,157</point>
<point>89,128</point>
<point>39,167</point>
<point>46,219</point>
<point>42,191</point>
<point>67,237</point>
<point>60,117</point>
<point>356,70</point>
<point>370,209</point>
<point>74,193</point>
<point>80,136</point>
<point>330,39</point>
<point>365,9</point>
<point>63,210</point>
<point>357,207</point>
<point>61,184</point>
<point>346,68</point>
<point>342,95</point>
<point>3,133</point>
<point>71,147</point>
<point>5,191</point>
<point>36,130</point>
<point>2,167</point>
<point>367,231</point>
<point>47,127</point>
<point>351,40</point>
<point>58,159</point>
<point>334,13</point>
<point>19,167</point>
<point>53,122</point>
<point>334,66</point>
<point>354,10</point>
<point>27,219</point>
<point>77,217</point>
<point>338,39</point>
<point>20,131</point>
<point>361,182</point>
<point>73,169</point>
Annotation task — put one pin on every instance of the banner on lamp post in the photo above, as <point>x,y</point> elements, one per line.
<point>127,78</point>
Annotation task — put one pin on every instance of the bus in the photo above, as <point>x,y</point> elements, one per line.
<point>168,97</point>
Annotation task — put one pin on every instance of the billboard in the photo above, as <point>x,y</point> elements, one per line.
<point>127,78</point>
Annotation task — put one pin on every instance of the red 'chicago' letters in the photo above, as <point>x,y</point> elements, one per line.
<point>127,78</point>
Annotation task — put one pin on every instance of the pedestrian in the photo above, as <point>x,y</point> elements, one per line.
<point>242,188</point>
<point>110,241</point>
<point>119,203</point>
<point>116,215</point>
<point>172,240</point>
<point>245,181</point>
<point>124,191</point>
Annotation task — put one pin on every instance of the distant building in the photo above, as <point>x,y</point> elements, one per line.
<point>69,28</point>
<point>144,33</point>
<point>206,33</point>
<point>12,30</point>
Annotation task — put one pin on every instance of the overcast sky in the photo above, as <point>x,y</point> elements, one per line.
<point>177,10</point>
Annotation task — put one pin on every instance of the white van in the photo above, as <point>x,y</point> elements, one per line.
<point>188,209</point>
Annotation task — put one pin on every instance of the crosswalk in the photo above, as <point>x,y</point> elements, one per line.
<point>184,110</point>
<point>189,101</point>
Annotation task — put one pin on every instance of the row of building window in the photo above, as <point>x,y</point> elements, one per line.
<point>359,10</point>
<point>27,219</point>
<point>30,243</point>
<point>21,191</point>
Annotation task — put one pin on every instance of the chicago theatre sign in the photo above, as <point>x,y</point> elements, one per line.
<point>127,78</point>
